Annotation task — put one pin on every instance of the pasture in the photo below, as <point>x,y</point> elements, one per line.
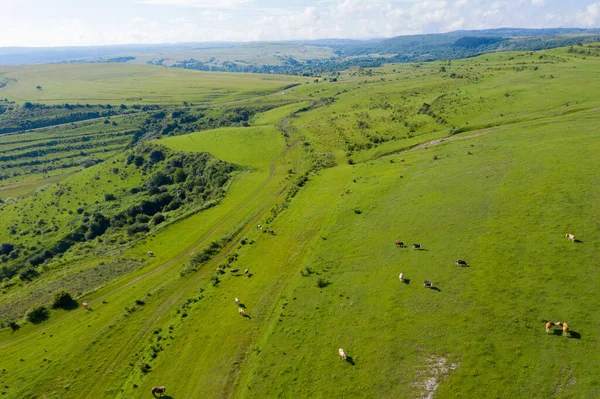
<point>129,84</point>
<point>490,160</point>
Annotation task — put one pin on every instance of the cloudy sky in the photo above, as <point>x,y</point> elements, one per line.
<point>100,22</point>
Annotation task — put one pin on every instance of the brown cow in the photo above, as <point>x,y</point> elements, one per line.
<point>399,244</point>
<point>565,327</point>
<point>160,390</point>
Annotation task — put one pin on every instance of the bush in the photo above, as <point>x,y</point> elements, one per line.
<point>37,314</point>
<point>63,300</point>
<point>158,219</point>
<point>109,197</point>
<point>6,248</point>
<point>322,283</point>
<point>138,228</point>
<point>13,326</point>
<point>141,218</point>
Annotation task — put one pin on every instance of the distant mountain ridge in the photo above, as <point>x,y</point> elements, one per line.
<point>295,57</point>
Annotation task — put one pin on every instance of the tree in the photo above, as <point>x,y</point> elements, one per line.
<point>37,314</point>
<point>38,87</point>
<point>63,300</point>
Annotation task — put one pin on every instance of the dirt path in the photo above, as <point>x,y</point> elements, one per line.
<point>434,142</point>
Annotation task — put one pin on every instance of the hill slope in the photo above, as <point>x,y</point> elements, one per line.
<point>491,160</point>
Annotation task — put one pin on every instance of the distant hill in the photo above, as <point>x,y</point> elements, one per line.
<point>309,57</point>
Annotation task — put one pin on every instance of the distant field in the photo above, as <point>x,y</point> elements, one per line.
<point>128,84</point>
<point>251,54</point>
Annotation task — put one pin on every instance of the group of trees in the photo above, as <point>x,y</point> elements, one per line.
<point>173,180</point>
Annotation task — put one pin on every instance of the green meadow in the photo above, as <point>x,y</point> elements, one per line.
<point>117,84</point>
<point>491,160</point>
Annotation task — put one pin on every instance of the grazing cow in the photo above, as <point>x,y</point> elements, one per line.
<point>270,231</point>
<point>246,271</point>
<point>234,270</point>
<point>428,284</point>
<point>85,305</point>
<point>565,327</point>
<point>460,262</point>
<point>416,246</point>
<point>399,244</point>
<point>160,390</point>
<point>401,277</point>
<point>237,300</point>
<point>150,253</point>
<point>342,354</point>
<point>241,311</point>
<point>570,237</point>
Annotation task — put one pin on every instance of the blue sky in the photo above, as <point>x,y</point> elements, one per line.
<point>100,22</point>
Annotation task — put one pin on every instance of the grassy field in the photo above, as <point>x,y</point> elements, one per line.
<point>491,160</point>
<point>128,84</point>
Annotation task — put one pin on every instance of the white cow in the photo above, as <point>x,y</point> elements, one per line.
<point>342,354</point>
<point>401,277</point>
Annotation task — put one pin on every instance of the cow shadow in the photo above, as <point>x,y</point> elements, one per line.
<point>406,281</point>
<point>350,360</point>
<point>241,305</point>
<point>247,316</point>
<point>250,275</point>
<point>574,335</point>
<point>165,397</point>
<point>435,289</point>
<point>578,241</point>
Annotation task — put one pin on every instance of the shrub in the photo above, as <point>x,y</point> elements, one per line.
<point>179,176</point>
<point>13,326</point>
<point>138,228</point>
<point>141,218</point>
<point>37,314</point>
<point>6,248</point>
<point>158,219</point>
<point>156,156</point>
<point>322,283</point>
<point>145,368</point>
<point>63,300</point>
<point>109,197</point>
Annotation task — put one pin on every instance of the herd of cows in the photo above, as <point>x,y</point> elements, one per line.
<point>428,284</point>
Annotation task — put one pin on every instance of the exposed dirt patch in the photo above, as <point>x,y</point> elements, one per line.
<point>429,378</point>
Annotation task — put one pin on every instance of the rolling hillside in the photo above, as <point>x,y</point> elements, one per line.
<point>491,160</point>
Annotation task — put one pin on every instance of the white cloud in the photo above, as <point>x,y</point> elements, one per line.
<point>212,4</point>
<point>590,16</point>
<point>538,3</point>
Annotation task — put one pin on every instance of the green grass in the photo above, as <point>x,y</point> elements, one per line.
<point>128,84</point>
<point>500,194</point>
